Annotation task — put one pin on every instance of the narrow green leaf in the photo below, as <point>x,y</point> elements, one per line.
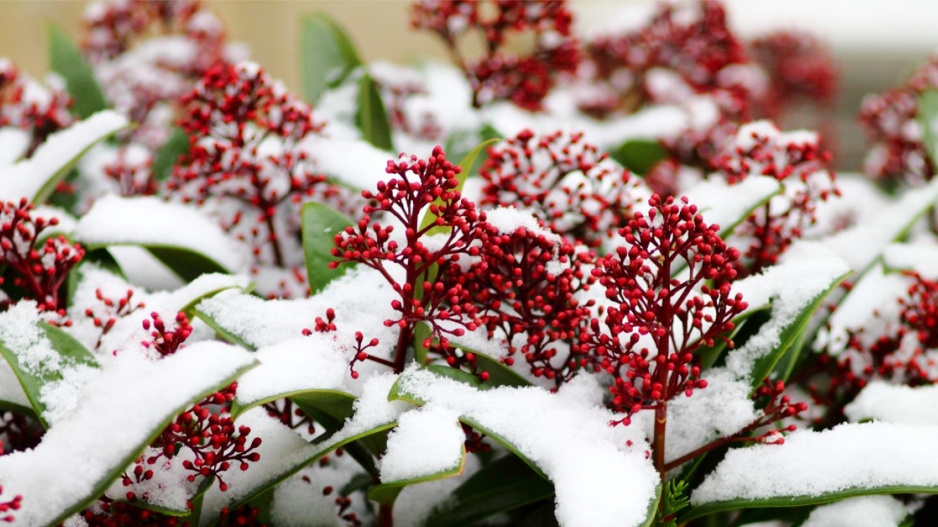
<point>167,156</point>
<point>320,225</point>
<point>372,117</point>
<point>71,353</point>
<point>327,55</point>
<point>66,60</point>
<point>501,486</point>
<point>184,262</point>
<point>639,155</point>
<point>221,331</point>
<point>789,335</point>
<point>928,119</point>
<point>388,492</point>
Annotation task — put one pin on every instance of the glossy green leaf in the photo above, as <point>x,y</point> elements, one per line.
<point>789,334</point>
<point>335,403</point>
<point>185,263</point>
<point>66,59</point>
<point>71,353</point>
<point>501,486</point>
<point>327,55</point>
<point>167,156</point>
<point>320,225</point>
<point>800,501</point>
<point>372,117</point>
<point>639,155</point>
<point>928,119</point>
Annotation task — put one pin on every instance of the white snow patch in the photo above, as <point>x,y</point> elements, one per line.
<point>726,205</point>
<point>862,511</point>
<point>895,404</point>
<point>426,441</point>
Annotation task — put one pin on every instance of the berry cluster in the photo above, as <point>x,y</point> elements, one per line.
<point>563,180</point>
<point>799,68</point>
<point>523,79</point>
<point>27,105</point>
<point>111,311</point>
<point>36,267</point>
<point>7,506</point>
<point>797,161</point>
<point>244,161</point>
<point>163,341</point>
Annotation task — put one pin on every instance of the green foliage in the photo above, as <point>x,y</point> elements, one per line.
<point>327,55</point>
<point>372,117</point>
<point>320,225</point>
<point>639,155</point>
<point>673,500</point>
<point>167,156</point>
<point>928,119</point>
<point>66,60</point>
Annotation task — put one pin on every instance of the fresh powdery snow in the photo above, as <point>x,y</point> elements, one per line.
<point>806,270</point>
<point>920,257</point>
<point>143,269</point>
<point>28,177</point>
<point>301,500</point>
<point>895,404</point>
<point>809,464</point>
<point>112,421</point>
<point>353,162</point>
<point>317,362</point>
<point>726,205</point>
<point>426,441</point>
<point>417,502</point>
<point>10,389</point>
<point>371,410</point>
<point>598,479</point>
<point>282,452</point>
<point>13,144</point>
<point>862,511</point>
<point>150,221</point>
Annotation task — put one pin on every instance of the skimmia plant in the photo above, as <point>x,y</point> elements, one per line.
<point>602,284</point>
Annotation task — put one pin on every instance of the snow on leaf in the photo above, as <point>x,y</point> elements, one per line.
<point>564,436</point>
<point>186,240</point>
<point>895,404</point>
<point>819,467</point>
<point>113,419</point>
<point>36,177</point>
<point>862,511</point>
<point>728,205</point>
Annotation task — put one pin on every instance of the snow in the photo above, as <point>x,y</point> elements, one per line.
<point>177,225</point>
<point>920,257</point>
<point>806,270</point>
<point>863,511</point>
<point>13,144</point>
<point>169,488</point>
<point>143,269</point>
<point>727,205</point>
<point>574,446</point>
<point>895,404</point>
<point>417,502</point>
<point>130,400</point>
<point>27,177</point>
<point>351,161</point>
<point>316,362</point>
<point>509,219</point>
<point>426,441</point>
<point>811,464</point>
<point>282,452</point>
<point>371,410</point>
<point>301,501</point>
<point>10,389</point>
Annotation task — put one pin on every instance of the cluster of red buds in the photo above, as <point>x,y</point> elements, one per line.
<point>692,40</point>
<point>212,437</point>
<point>669,288</point>
<point>799,67</point>
<point>898,153</point>
<point>7,506</point>
<point>165,341</point>
<point>111,310</point>
<point>523,79</point>
<point>562,180</point>
<point>246,514</point>
<point>796,160</point>
<point>244,161</point>
<point>114,513</point>
<point>419,187</point>
<point>31,107</point>
<point>36,267</point>
<point>526,285</point>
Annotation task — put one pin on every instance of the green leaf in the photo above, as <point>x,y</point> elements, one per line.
<point>674,500</point>
<point>167,156</point>
<point>372,117</point>
<point>66,60</point>
<point>639,155</point>
<point>320,225</point>
<point>801,501</point>
<point>32,378</point>
<point>789,334</point>
<point>327,55</point>
<point>184,262</point>
<point>503,485</point>
<point>388,492</point>
<point>221,331</point>
<point>928,119</point>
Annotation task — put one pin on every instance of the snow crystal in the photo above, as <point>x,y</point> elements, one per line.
<point>27,177</point>
<point>316,362</point>
<point>862,511</point>
<point>849,456</point>
<point>806,270</point>
<point>282,452</point>
<point>569,441</point>
<point>426,441</point>
<point>895,404</point>
<point>152,221</point>
<point>130,400</point>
